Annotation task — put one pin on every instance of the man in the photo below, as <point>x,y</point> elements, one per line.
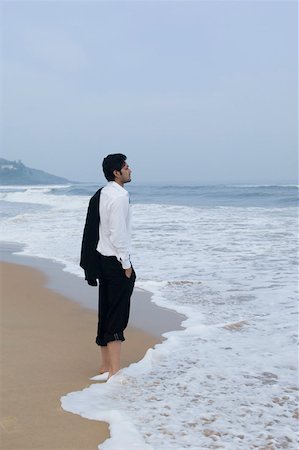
<point>105,256</point>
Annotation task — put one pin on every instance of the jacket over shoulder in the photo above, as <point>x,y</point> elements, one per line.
<point>89,260</point>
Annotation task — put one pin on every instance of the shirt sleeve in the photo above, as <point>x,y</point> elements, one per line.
<point>119,234</point>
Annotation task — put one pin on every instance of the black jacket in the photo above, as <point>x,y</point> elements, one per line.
<point>90,260</point>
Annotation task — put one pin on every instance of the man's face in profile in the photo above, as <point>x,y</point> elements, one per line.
<point>125,173</point>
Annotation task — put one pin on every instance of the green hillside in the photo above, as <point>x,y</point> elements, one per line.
<point>15,172</point>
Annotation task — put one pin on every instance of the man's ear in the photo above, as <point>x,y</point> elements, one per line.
<point>116,173</point>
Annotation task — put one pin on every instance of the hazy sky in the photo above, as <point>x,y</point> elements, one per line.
<point>199,91</point>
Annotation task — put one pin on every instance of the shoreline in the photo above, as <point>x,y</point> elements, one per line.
<point>48,351</point>
<point>144,315</point>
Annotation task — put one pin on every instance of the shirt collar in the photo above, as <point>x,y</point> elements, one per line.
<point>117,186</point>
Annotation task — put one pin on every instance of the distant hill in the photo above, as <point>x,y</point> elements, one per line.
<point>15,172</point>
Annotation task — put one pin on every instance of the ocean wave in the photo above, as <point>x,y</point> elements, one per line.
<point>194,196</point>
<point>82,190</point>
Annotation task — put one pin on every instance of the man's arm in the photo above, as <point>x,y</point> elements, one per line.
<point>119,233</point>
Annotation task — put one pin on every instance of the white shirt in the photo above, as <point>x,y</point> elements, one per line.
<point>115,223</point>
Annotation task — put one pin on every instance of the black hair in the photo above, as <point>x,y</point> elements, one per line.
<point>113,162</point>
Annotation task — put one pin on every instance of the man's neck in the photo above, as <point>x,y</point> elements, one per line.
<point>119,182</point>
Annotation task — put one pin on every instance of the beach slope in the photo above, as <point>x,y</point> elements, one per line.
<point>47,351</point>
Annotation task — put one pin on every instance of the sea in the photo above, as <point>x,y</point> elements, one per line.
<point>226,257</point>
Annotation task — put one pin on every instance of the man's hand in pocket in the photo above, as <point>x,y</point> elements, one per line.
<point>128,272</point>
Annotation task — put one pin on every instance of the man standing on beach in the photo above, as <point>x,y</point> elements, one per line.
<point>106,255</point>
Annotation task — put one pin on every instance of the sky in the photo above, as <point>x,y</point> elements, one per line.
<point>193,92</point>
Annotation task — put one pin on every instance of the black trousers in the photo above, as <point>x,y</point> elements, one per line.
<point>115,292</point>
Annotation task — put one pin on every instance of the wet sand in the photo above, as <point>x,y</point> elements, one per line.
<point>47,351</point>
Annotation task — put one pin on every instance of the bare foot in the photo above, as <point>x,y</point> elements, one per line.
<point>103,370</point>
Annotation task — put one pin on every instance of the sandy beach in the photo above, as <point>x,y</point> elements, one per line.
<point>47,351</point>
